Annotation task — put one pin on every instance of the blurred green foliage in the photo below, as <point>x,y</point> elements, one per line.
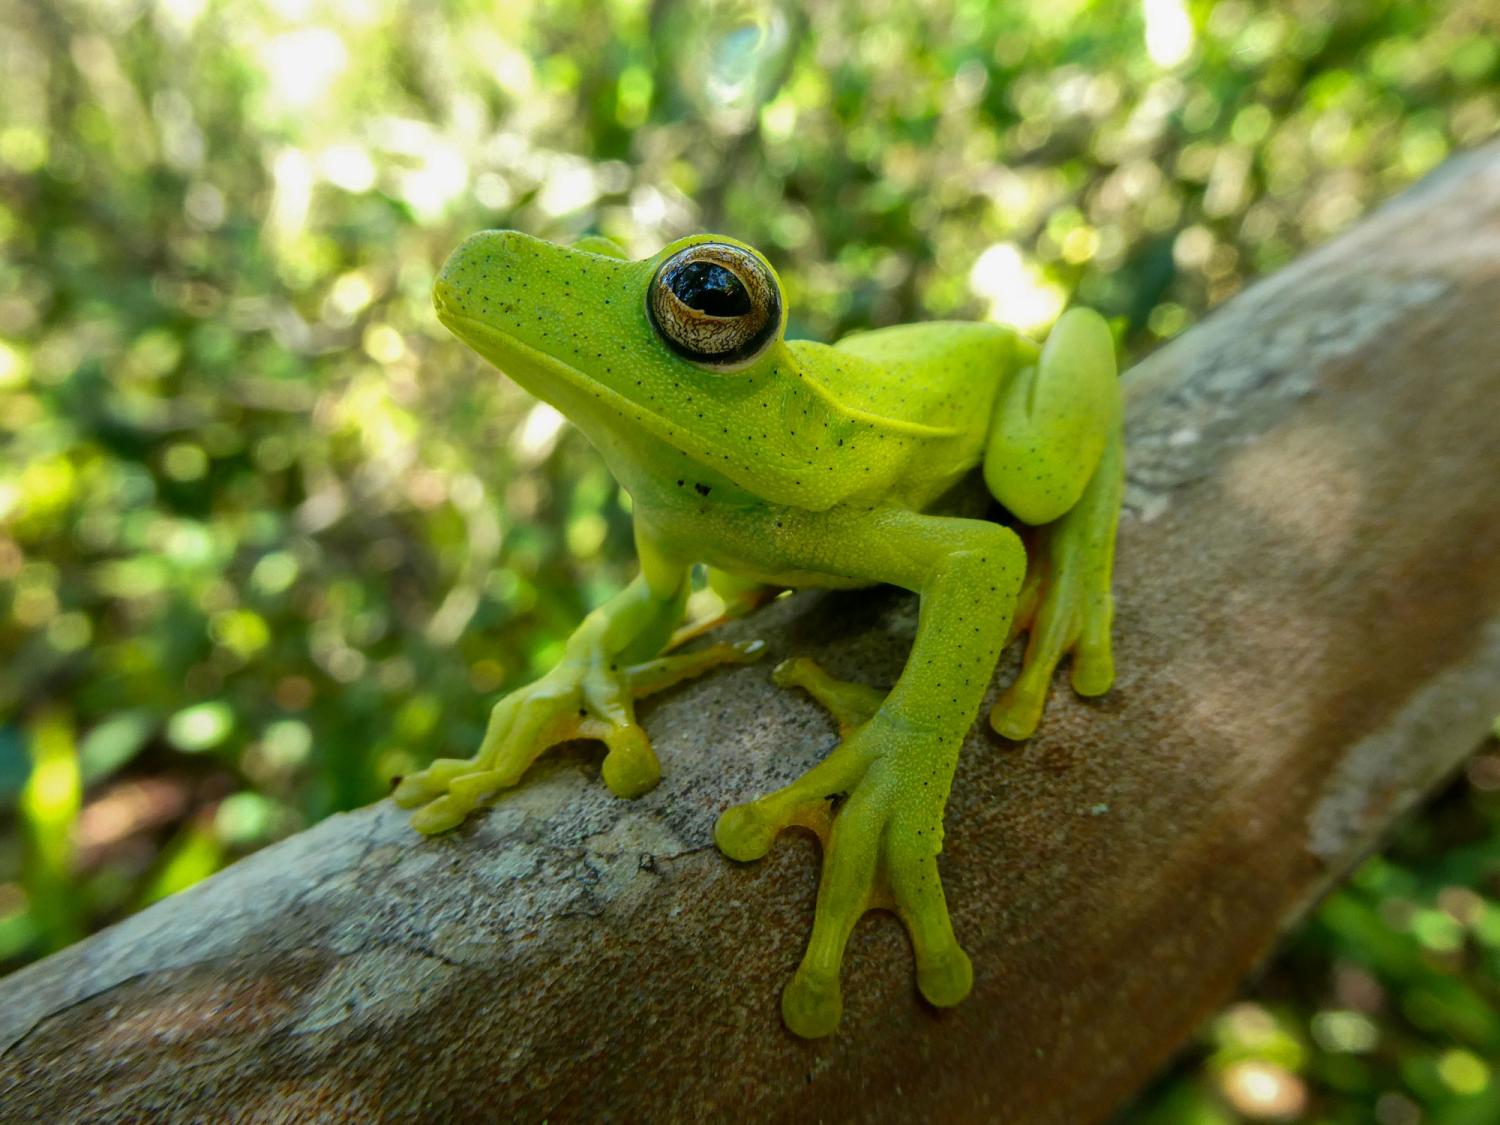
<point>268,539</point>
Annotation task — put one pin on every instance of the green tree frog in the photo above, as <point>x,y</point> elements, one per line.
<point>789,463</point>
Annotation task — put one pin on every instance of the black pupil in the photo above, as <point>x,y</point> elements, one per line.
<point>710,289</point>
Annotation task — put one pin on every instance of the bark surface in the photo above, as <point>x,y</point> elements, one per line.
<point>1308,640</point>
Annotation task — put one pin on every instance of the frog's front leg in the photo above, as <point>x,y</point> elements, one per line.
<point>877,800</point>
<point>1055,458</point>
<point>610,661</point>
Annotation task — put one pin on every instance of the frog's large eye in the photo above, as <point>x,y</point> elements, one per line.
<point>715,304</point>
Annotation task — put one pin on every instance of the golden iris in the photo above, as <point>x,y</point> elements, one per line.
<point>715,304</point>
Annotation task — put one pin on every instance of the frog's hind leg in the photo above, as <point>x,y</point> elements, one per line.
<point>1073,607</point>
<point>1056,459</point>
<point>876,801</point>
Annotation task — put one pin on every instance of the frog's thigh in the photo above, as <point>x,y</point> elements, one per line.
<point>1052,421</point>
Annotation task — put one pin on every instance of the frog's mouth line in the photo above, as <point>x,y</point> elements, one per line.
<point>512,355</point>
<point>478,334</point>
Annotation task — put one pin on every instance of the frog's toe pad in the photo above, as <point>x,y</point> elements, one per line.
<point>745,832</point>
<point>1017,715</point>
<point>630,768</point>
<point>410,792</point>
<point>946,979</point>
<point>811,1003</point>
<point>1093,669</point>
<point>440,815</point>
<point>791,673</point>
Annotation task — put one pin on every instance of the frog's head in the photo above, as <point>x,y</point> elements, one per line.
<point>706,299</point>
<point>683,348</point>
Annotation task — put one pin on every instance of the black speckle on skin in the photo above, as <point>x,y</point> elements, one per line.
<point>702,489</point>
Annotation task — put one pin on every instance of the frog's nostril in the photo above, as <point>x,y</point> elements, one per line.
<point>485,253</point>
<point>445,298</point>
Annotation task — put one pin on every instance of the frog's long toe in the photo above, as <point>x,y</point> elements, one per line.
<point>877,856</point>
<point>420,787</point>
<point>811,1003</point>
<point>848,702</point>
<point>944,972</point>
<point>652,676</point>
<point>746,832</point>
<point>1093,663</point>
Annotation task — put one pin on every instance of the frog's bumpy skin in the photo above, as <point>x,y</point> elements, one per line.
<point>831,485</point>
<point>576,700</point>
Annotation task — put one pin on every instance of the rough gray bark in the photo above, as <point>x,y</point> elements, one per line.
<point>1308,639</point>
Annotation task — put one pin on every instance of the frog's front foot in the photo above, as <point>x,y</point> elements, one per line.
<point>580,698</point>
<point>876,802</point>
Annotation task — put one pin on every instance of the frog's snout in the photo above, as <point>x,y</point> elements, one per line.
<point>475,271</point>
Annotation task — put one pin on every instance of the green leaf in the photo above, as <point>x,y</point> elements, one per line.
<point>113,743</point>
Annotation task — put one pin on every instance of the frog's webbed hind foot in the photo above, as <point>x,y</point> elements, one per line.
<point>881,837</point>
<point>578,699</point>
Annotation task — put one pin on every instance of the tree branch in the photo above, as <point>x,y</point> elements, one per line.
<point>1308,640</point>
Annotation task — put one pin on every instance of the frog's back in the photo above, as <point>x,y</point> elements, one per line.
<point>928,388</point>
<point>935,373</point>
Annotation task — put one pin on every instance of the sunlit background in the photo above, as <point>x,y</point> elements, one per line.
<point>269,538</point>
